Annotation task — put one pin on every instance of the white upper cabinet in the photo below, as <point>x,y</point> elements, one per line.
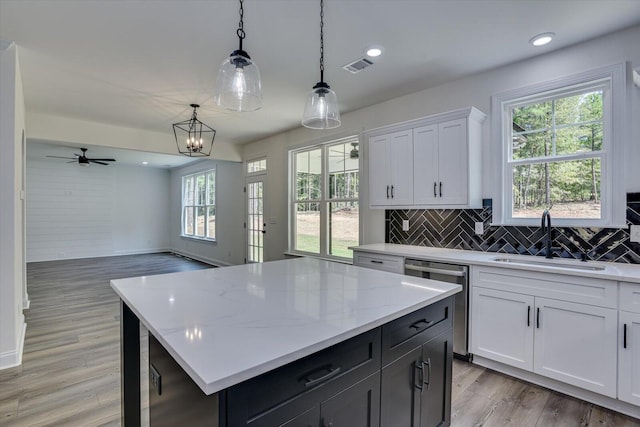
<point>433,162</point>
<point>391,169</point>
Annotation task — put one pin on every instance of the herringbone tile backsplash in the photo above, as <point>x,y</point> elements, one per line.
<point>454,228</point>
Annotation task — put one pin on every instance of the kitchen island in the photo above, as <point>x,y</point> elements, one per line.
<point>288,343</point>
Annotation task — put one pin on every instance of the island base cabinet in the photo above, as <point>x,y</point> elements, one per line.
<point>357,406</point>
<point>416,388</point>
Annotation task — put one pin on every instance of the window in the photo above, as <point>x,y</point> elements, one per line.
<point>324,199</point>
<point>256,166</point>
<point>559,150</point>
<point>199,205</point>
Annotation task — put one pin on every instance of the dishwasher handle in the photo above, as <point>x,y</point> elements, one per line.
<point>454,273</point>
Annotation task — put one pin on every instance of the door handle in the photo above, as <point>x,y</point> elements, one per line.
<point>428,363</point>
<point>435,186</point>
<point>440,188</point>
<point>624,336</point>
<point>528,315</point>
<point>387,191</point>
<point>264,228</point>
<point>420,375</point>
<point>392,191</point>
<point>538,318</point>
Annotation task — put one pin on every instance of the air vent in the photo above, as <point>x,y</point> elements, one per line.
<point>357,65</point>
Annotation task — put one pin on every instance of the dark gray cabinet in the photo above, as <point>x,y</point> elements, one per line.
<point>357,406</point>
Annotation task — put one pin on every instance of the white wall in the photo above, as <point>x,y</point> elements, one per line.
<point>475,90</point>
<point>12,266</point>
<point>83,212</point>
<point>229,249</point>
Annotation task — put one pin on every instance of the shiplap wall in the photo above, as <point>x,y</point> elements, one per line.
<point>82,212</point>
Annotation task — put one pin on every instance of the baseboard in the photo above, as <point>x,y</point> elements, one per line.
<point>206,260</point>
<point>114,253</point>
<point>26,303</point>
<point>11,359</point>
<point>589,396</point>
<point>141,251</point>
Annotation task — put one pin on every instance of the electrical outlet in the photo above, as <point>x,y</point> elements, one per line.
<point>155,379</point>
<point>405,225</point>
<point>479,227</point>
<point>634,233</point>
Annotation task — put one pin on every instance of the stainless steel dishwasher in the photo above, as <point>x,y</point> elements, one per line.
<point>451,273</point>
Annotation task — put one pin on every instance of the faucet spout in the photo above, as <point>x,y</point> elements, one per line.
<point>546,228</point>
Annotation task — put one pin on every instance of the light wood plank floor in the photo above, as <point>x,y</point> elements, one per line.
<point>70,374</point>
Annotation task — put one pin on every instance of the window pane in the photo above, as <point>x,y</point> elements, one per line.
<point>307,227</point>
<point>188,191</point>
<point>201,190</point>
<point>211,185</point>
<point>343,172</point>
<point>532,117</point>
<point>200,217</point>
<point>308,175</point>
<point>211,222</point>
<point>188,221</point>
<point>257,166</point>
<point>573,189</point>
<point>344,228</point>
<point>578,108</point>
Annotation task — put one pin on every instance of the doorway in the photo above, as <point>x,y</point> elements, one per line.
<point>256,224</point>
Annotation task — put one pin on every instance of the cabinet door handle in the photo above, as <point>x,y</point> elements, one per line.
<point>392,191</point>
<point>624,336</point>
<point>528,315</point>
<point>435,186</point>
<point>538,318</point>
<point>420,376</point>
<point>331,372</point>
<point>440,188</point>
<point>387,191</point>
<point>375,261</point>
<point>428,363</point>
<point>421,324</point>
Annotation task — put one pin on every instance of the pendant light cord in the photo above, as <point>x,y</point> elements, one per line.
<point>240,32</point>
<point>322,40</point>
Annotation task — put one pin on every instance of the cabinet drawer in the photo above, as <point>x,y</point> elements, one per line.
<point>630,297</point>
<point>390,263</point>
<point>317,375</point>
<point>407,332</point>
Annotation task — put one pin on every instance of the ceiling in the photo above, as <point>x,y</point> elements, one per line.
<point>139,63</point>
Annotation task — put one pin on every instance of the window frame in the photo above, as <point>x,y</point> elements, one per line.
<point>324,199</point>
<point>206,205</point>
<point>612,190</point>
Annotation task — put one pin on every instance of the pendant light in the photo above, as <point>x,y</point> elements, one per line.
<point>238,87</point>
<point>321,110</point>
<point>194,138</point>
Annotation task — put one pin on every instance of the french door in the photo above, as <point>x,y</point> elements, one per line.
<point>256,224</point>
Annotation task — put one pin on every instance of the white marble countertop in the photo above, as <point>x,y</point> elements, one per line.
<point>227,325</point>
<point>611,270</point>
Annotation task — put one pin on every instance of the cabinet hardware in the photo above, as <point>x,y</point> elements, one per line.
<point>387,191</point>
<point>435,186</point>
<point>264,228</point>
<point>420,375</point>
<point>455,273</point>
<point>375,261</point>
<point>332,372</point>
<point>624,336</point>
<point>417,325</point>
<point>528,315</point>
<point>392,191</point>
<point>538,318</point>
<point>440,188</point>
<point>428,363</point>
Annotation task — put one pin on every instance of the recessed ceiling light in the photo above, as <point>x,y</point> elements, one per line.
<point>542,39</point>
<point>145,163</point>
<point>374,51</point>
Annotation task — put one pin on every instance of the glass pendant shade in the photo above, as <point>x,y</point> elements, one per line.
<point>238,87</point>
<point>321,110</point>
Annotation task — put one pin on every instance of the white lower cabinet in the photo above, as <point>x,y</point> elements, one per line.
<point>629,344</point>
<point>570,342</point>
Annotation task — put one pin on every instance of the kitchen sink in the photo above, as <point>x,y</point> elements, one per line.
<point>551,263</point>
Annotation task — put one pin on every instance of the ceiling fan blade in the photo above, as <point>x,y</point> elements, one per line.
<point>58,157</point>
<point>100,163</point>
<point>102,160</point>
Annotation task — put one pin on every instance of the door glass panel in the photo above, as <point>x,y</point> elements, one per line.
<point>255,222</point>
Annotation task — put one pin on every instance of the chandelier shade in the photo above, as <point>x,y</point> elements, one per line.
<point>194,138</point>
<point>238,86</point>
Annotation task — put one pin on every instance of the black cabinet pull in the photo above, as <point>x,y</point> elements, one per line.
<point>331,372</point>
<point>392,191</point>
<point>435,186</point>
<point>538,318</point>
<point>624,336</point>
<point>387,191</point>
<point>421,324</point>
<point>440,188</point>
<point>428,363</point>
<point>420,376</point>
<point>375,261</point>
<point>528,315</point>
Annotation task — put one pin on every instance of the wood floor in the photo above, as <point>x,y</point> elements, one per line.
<point>70,374</point>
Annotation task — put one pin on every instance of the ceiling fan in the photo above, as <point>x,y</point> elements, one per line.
<point>83,160</point>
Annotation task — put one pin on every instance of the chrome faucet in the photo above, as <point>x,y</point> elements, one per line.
<point>546,227</point>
